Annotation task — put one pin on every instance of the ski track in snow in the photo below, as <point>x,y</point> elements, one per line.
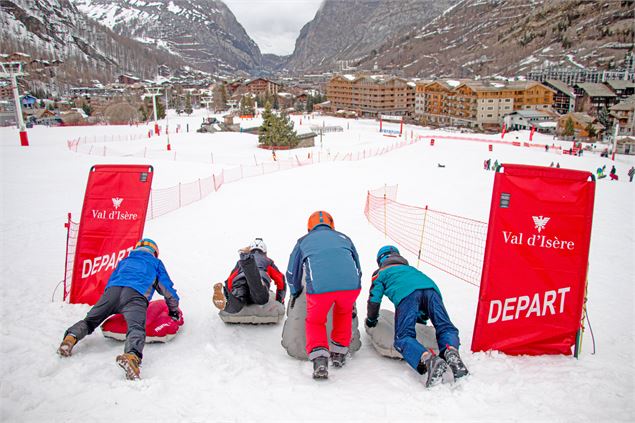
<point>228,373</point>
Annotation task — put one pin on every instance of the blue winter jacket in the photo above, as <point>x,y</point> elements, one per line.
<point>326,260</point>
<point>145,273</point>
<point>396,280</point>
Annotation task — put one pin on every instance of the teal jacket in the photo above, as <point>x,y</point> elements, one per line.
<point>396,280</point>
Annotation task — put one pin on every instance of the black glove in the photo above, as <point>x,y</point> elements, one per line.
<point>371,323</point>
<point>175,315</point>
<point>295,297</point>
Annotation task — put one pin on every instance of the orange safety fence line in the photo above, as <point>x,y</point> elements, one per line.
<point>165,200</point>
<point>453,244</point>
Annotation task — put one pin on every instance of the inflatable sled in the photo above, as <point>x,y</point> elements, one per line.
<point>255,314</point>
<point>294,331</point>
<point>382,336</point>
<point>159,326</point>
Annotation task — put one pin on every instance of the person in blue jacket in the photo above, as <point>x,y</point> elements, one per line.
<point>416,298</point>
<point>326,262</point>
<point>128,291</point>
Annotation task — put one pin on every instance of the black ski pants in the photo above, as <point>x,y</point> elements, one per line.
<point>117,299</point>
<point>250,288</point>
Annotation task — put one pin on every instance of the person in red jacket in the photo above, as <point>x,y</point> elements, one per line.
<point>249,281</point>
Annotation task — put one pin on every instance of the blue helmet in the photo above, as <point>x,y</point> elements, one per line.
<point>149,244</point>
<point>384,252</point>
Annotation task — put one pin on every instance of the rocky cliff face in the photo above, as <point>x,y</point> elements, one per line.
<point>510,37</point>
<point>204,33</point>
<point>343,32</point>
<point>56,30</point>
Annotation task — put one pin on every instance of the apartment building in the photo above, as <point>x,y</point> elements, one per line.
<point>262,86</point>
<point>624,115</point>
<point>563,98</point>
<point>371,96</point>
<point>477,104</point>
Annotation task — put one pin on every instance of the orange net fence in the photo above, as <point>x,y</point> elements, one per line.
<point>453,244</point>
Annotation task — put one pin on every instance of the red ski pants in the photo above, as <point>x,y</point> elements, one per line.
<point>317,309</point>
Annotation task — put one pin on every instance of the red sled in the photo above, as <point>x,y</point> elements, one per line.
<point>159,326</point>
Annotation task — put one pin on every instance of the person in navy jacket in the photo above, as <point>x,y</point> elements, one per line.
<point>326,263</point>
<point>128,291</point>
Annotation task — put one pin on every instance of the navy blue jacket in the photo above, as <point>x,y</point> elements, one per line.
<point>145,273</point>
<point>326,260</point>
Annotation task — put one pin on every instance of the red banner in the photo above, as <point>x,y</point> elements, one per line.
<point>112,221</point>
<point>534,273</point>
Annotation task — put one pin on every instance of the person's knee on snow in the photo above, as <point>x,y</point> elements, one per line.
<point>128,291</point>
<point>414,295</point>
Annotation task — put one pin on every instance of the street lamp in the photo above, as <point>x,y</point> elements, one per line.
<point>207,101</point>
<point>11,70</point>
<point>154,92</point>
<point>167,132</point>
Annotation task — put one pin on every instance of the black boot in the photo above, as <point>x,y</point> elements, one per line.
<point>435,368</point>
<point>320,368</point>
<point>338,359</point>
<point>258,290</point>
<point>452,357</point>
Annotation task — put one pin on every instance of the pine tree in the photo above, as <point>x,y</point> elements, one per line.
<point>569,128</point>
<point>309,103</point>
<point>277,130</point>
<point>160,110</point>
<point>265,132</point>
<point>247,105</point>
<point>188,104</point>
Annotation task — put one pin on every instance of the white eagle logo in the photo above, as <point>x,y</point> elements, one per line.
<point>540,222</point>
<point>116,202</point>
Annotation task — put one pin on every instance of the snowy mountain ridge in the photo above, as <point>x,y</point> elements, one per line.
<point>56,29</point>
<point>204,33</point>
<point>511,37</point>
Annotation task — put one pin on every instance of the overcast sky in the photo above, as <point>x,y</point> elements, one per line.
<point>274,24</point>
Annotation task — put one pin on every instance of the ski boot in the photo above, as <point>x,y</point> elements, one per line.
<point>219,299</point>
<point>130,363</point>
<point>320,368</point>
<point>66,347</point>
<point>452,357</point>
<point>436,369</point>
<point>338,359</point>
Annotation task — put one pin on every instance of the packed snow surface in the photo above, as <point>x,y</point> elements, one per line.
<point>217,372</point>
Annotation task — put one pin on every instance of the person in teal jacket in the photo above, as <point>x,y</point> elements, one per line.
<point>416,298</point>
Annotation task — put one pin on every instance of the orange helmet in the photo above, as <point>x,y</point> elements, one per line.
<point>320,218</point>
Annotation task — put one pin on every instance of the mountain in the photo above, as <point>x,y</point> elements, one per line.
<point>204,33</point>
<point>56,30</point>
<point>510,37</point>
<point>343,32</point>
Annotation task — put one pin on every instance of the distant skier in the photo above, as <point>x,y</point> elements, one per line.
<point>496,166</point>
<point>129,289</point>
<point>631,173</point>
<point>558,165</point>
<point>326,262</point>
<point>249,280</point>
<point>551,165</point>
<point>416,298</point>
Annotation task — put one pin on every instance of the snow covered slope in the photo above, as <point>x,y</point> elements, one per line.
<point>216,372</point>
